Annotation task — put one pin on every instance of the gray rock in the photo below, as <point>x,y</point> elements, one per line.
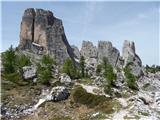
<point>59,93</point>
<point>29,72</point>
<point>105,49</point>
<point>100,81</point>
<point>119,82</point>
<point>64,78</point>
<point>43,33</point>
<point>76,52</point>
<point>88,50</point>
<point>130,57</point>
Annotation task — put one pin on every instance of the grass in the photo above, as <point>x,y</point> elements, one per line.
<point>109,106</point>
<point>86,81</point>
<point>61,118</point>
<point>81,96</point>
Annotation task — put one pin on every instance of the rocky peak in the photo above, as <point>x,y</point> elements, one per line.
<point>88,50</point>
<point>29,12</point>
<point>42,33</point>
<point>128,49</point>
<point>129,56</point>
<point>105,49</point>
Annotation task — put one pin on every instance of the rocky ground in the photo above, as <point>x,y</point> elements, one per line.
<point>143,104</point>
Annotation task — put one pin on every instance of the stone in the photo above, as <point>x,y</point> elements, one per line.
<point>42,33</point>
<point>119,82</point>
<point>64,78</point>
<point>131,58</point>
<point>100,81</point>
<point>145,98</point>
<point>27,27</point>
<point>29,72</point>
<point>59,93</point>
<point>105,49</point>
<point>76,52</point>
<point>88,50</point>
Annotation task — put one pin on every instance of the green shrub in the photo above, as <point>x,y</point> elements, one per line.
<point>45,69</point>
<point>9,60</point>
<point>14,77</point>
<point>130,78</point>
<point>99,69</point>
<point>82,66</point>
<point>109,75</point>
<point>70,69</point>
<point>81,96</point>
<point>108,89</point>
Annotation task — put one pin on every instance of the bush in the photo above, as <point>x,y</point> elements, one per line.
<point>82,66</point>
<point>130,78</point>
<point>70,69</point>
<point>108,89</point>
<point>99,69</point>
<point>9,60</point>
<point>81,96</point>
<point>108,72</point>
<point>21,61</point>
<point>14,77</point>
<point>45,69</point>
<point>13,64</point>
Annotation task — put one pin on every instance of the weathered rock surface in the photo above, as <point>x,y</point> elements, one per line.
<point>60,93</point>
<point>76,52</point>
<point>27,29</point>
<point>57,93</point>
<point>64,78</point>
<point>130,57</point>
<point>88,50</point>
<point>105,49</point>
<point>41,32</point>
<point>29,72</point>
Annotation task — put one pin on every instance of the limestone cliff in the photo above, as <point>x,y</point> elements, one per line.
<point>43,33</point>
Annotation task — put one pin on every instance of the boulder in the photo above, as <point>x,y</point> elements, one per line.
<point>59,93</point>
<point>64,78</point>
<point>131,58</point>
<point>29,72</point>
<point>105,49</point>
<point>42,33</point>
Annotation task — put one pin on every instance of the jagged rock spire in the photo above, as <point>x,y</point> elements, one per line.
<point>41,32</point>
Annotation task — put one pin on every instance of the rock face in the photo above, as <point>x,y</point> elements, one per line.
<point>41,32</point>
<point>130,57</point>
<point>105,49</point>
<point>29,72</point>
<point>27,29</point>
<point>76,52</point>
<point>88,50</point>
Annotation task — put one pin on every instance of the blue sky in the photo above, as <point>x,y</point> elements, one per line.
<point>94,21</point>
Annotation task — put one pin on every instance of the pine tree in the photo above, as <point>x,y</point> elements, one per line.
<point>9,60</point>
<point>82,66</point>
